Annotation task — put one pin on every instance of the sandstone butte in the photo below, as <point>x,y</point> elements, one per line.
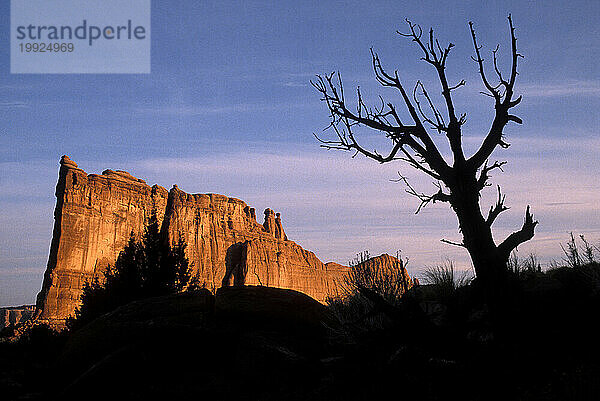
<point>95,215</point>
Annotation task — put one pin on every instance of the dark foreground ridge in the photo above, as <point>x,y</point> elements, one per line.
<point>257,343</point>
<point>243,340</point>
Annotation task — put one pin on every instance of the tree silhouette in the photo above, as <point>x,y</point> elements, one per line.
<point>146,268</point>
<point>458,183</point>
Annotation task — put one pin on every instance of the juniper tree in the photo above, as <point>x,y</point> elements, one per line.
<point>459,182</point>
<point>144,268</point>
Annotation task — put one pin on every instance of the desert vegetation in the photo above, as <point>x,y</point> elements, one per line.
<point>442,331</point>
<point>145,268</point>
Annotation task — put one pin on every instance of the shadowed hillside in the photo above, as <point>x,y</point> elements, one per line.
<point>437,340</point>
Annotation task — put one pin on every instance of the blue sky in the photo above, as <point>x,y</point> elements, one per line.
<point>228,108</point>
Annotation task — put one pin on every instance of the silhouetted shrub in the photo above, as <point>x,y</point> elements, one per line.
<point>445,281</point>
<point>577,255</point>
<point>524,268</point>
<point>391,283</point>
<point>367,288</point>
<point>146,268</point>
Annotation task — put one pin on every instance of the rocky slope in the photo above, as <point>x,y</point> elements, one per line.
<point>95,215</point>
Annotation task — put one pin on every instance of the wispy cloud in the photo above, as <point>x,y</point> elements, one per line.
<point>559,89</point>
<point>13,105</point>
<point>291,84</point>
<point>301,74</point>
<point>17,87</point>
<point>197,110</point>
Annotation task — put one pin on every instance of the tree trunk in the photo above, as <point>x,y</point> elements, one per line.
<point>490,266</point>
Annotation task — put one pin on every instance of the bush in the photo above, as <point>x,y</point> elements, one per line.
<point>390,283</point>
<point>524,268</point>
<point>146,268</point>
<point>355,308</point>
<point>578,255</point>
<point>446,280</point>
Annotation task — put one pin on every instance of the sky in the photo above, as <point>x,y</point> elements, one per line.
<point>228,108</point>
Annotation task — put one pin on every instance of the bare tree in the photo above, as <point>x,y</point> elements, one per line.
<point>459,183</point>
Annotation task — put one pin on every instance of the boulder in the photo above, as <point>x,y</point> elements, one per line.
<point>272,309</point>
<point>245,342</point>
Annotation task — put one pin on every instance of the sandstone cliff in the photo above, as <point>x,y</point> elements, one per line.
<point>13,315</point>
<point>95,215</point>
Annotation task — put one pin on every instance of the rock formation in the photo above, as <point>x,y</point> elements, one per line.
<point>95,215</point>
<point>387,269</point>
<point>13,315</point>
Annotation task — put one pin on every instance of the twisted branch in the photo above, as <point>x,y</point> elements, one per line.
<point>439,196</point>
<point>498,208</point>
<point>515,239</point>
<point>502,97</point>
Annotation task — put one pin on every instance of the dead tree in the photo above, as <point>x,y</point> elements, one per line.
<point>459,183</point>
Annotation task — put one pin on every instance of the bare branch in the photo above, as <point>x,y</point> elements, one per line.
<point>515,57</point>
<point>436,56</point>
<point>458,85</point>
<point>384,119</point>
<point>439,123</point>
<point>482,181</point>
<point>503,99</point>
<point>387,80</point>
<point>340,115</point>
<point>445,241</point>
<point>515,239</point>
<point>498,73</point>
<point>415,34</point>
<point>515,119</point>
<point>493,91</point>
<point>498,208</point>
<point>419,166</point>
<point>439,196</point>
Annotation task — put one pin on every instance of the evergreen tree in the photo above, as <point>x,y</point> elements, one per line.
<point>146,268</point>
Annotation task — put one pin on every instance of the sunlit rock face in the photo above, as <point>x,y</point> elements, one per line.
<point>95,215</point>
<point>13,315</point>
<point>386,268</point>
